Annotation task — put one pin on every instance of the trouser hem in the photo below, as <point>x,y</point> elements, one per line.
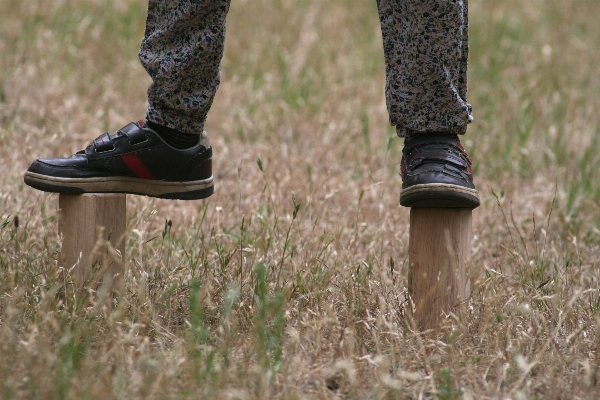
<point>178,122</point>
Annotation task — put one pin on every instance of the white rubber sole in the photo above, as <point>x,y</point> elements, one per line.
<point>439,195</point>
<point>155,188</point>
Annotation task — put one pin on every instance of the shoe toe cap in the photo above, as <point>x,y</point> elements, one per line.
<point>59,167</point>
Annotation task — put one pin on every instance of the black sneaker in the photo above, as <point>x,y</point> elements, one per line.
<point>436,173</point>
<point>134,160</point>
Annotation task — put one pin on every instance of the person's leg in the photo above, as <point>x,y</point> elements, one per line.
<point>168,155</point>
<point>426,50</point>
<point>181,51</point>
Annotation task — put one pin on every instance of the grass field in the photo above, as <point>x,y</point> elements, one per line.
<point>291,281</point>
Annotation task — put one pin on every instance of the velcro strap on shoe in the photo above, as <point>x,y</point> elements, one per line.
<point>134,133</point>
<point>103,143</point>
<point>431,155</point>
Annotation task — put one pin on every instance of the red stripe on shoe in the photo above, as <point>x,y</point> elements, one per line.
<point>136,166</point>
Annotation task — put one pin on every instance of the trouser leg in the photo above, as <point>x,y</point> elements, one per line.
<point>181,51</point>
<point>426,49</point>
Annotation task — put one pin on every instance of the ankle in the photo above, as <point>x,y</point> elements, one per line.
<point>426,137</point>
<point>174,137</point>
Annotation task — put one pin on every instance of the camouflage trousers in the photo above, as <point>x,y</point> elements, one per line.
<point>425,46</point>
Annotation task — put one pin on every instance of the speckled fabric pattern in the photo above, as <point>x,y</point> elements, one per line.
<point>426,50</point>
<point>425,45</point>
<point>182,50</point>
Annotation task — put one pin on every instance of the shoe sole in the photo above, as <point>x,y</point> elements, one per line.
<point>192,190</point>
<point>439,195</point>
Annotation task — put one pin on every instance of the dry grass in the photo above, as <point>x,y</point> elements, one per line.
<point>290,282</point>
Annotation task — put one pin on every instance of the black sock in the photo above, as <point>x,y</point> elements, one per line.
<point>175,138</point>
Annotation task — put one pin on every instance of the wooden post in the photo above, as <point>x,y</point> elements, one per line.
<point>85,223</point>
<point>439,247</point>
